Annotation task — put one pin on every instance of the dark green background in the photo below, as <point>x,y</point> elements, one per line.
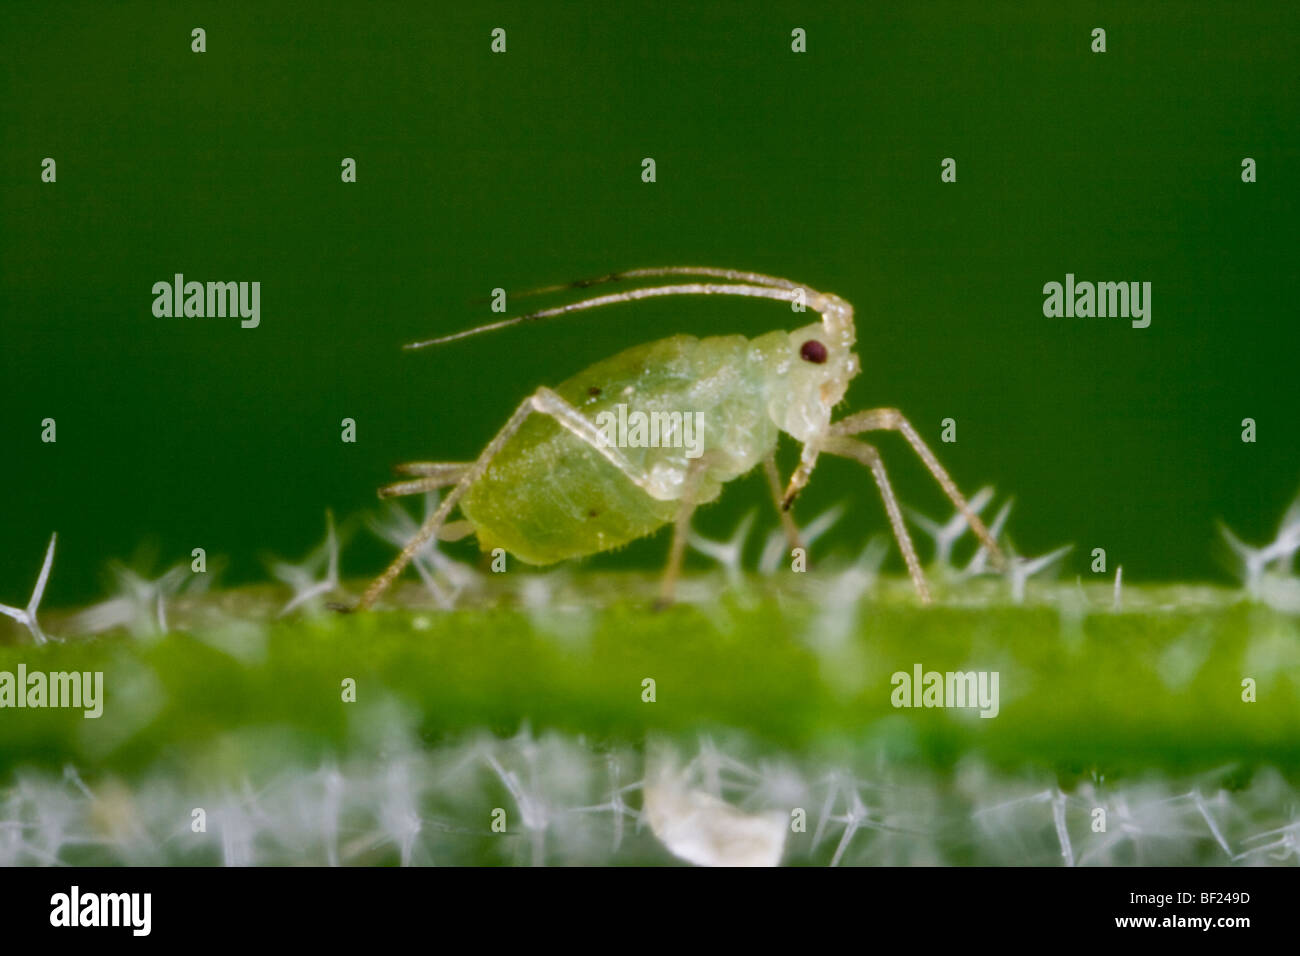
<point>477,171</point>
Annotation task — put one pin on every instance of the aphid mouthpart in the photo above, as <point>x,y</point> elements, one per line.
<point>813,351</point>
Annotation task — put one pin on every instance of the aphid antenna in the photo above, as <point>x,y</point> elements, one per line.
<point>734,275</point>
<point>836,313</point>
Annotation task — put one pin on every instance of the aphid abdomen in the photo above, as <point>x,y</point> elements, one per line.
<point>558,499</point>
<point>549,495</point>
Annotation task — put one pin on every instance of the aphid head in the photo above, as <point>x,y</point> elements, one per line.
<point>818,364</point>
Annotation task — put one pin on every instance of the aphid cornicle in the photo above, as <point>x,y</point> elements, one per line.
<point>552,486</point>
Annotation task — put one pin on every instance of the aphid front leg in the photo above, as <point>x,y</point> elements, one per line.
<point>867,455</point>
<point>545,401</point>
<point>791,529</point>
<point>891,419</point>
<point>799,479</point>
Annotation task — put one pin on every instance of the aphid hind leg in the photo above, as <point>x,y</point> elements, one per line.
<point>867,455</point>
<point>449,470</point>
<point>545,401</point>
<point>418,486</point>
<point>891,419</point>
<point>438,474</point>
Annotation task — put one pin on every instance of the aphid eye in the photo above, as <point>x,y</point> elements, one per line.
<point>813,351</point>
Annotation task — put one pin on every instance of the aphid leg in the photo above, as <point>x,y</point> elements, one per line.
<point>434,475</point>
<point>449,470</point>
<point>548,403</point>
<point>791,529</point>
<point>891,419</point>
<point>455,530</point>
<point>807,462</point>
<point>681,527</point>
<point>439,475</point>
<point>416,486</point>
<point>861,451</point>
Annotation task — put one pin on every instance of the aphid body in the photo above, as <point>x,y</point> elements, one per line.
<point>552,485</point>
<point>549,495</point>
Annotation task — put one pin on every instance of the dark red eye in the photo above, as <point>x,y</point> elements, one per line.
<point>813,351</point>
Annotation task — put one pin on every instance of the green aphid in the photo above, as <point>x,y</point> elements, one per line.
<point>641,439</point>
